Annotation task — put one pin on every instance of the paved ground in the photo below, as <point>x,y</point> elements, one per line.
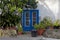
<point>25,37</point>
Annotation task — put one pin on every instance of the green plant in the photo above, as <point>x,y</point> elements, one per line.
<point>41,25</point>
<point>48,22</point>
<point>11,11</point>
<point>9,20</point>
<point>8,16</point>
<point>33,4</point>
<point>36,26</point>
<point>57,23</point>
<point>19,27</point>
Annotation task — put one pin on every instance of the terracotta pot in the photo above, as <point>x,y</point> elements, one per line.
<point>14,27</point>
<point>40,31</point>
<point>19,33</point>
<point>51,28</point>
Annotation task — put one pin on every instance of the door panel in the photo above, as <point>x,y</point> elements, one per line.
<point>26,26</point>
<point>35,17</point>
<point>29,18</point>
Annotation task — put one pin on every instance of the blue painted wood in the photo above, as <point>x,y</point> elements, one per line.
<point>30,27</point>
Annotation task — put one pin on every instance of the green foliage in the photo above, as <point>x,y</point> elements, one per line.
<point>57,23</point>
<point>33,4</point>
<point>9,20</point>
<point>9,7</point>
<point>48,21</point>
<point>12,9</point>
<point>15,4</point>
<point>41,25</point>
<point>19,27</point>
<point>36,26</point>
<point>19,10</point>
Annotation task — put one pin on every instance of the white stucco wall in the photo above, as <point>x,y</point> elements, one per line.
<point>49,8</point>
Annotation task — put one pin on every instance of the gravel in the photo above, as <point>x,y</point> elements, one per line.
<point>26,37</point>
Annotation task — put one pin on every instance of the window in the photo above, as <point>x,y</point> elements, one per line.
<point>33,18</point>
<point>34,14</point>
<point>27,20</point>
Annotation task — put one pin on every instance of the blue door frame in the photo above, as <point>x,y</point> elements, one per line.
<point>27,21</point>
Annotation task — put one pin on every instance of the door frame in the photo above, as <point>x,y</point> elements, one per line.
<point>23,20</point>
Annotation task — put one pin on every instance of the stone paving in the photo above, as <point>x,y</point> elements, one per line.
<point>26,37</point>
<point>52,33</point>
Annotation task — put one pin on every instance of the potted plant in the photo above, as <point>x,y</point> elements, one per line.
<point>40,27</point>
<point>20,30</point>
<point>57,24</point>
<point>48,23</point>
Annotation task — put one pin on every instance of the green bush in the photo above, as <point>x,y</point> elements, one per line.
<point>46,22</point>
<point>41,25</point>
<point>57,23</point>
<point>36,26</point>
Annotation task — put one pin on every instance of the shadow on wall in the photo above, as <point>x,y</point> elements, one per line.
<point>45,11</point>
<point>58,15</point>
<point>59,11</point>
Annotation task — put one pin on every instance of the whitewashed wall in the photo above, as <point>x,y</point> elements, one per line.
<point>49,8</point>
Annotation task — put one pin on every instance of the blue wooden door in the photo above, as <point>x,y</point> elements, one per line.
<point>29,18</point>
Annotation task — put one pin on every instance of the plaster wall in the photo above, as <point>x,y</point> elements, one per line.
<point>49,8</point>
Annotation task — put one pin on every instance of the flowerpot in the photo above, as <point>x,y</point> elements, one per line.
<point>14,27</point>
<point>34,33</point>
<point>19,33</point>
<point>40,31</point>
<point>51,28</point>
